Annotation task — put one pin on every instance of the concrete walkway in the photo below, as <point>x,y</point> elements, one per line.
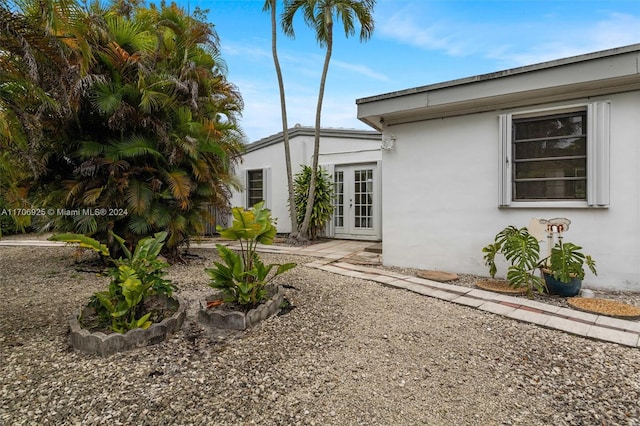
<point>331,256</point>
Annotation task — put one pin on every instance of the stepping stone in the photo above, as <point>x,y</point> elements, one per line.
<point>439,276</point>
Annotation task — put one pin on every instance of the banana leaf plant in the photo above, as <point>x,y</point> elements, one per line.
<point>243,277</point>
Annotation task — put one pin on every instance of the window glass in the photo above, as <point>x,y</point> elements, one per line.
<point>255,190</point>
<point>550,157</point>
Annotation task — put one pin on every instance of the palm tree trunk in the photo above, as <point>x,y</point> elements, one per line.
<point>304,229</point>
<point>293,215</point>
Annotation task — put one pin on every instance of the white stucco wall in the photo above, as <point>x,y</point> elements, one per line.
<point>334,150</point>
<point>441,187</point>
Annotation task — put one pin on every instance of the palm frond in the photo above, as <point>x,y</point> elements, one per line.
<point>138,197</point>
<point>180,185</point>
<point>136,146</point>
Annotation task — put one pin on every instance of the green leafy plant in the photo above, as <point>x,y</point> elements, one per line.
<point>133,278</point>
<point>522,251</point>
<point>243,277</point>
<point>323,201</point>
<point>567,262</point>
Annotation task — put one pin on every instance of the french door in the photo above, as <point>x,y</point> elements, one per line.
<point>355,202</point>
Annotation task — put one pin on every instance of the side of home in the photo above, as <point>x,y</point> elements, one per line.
<point>351,158</point>
<point>471,156</point>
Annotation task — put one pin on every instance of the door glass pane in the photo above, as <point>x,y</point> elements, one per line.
<point>363,198</point>
<point>338,190</point>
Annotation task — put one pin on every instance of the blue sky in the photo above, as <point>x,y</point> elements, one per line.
<point>415,43</point>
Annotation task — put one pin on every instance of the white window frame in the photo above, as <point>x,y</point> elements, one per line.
<point>266,179</point>
<point>598,141</point>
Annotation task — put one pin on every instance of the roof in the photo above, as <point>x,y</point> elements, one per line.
<point>609,71</point>
<point>326,132</point>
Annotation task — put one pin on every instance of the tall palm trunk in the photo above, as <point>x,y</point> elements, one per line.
<point>304,229</point>
<point>293,215</point>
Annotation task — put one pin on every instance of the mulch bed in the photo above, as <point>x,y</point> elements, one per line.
<point>499,286</point>
<point>606,307</point>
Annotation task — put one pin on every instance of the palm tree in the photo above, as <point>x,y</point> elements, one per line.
<point>293,215</point>
<point>123,108</point>
<point>42,59</point>
<point>157,134</point>
<point>39,67</point>
<point>319,15</point>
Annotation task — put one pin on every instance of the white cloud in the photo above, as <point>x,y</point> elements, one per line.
<point>249,52</point>
<point>360,69</point>
<point>262,117</point>
<point>615,30</point>
<point>513,43</point>
<point>619,30</point>
<point>439,36</point>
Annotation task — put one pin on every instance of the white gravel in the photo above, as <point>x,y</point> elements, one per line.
<point>351,352</point>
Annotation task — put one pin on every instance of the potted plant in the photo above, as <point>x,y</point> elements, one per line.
<point>242,277</point>
<point>562,269</point>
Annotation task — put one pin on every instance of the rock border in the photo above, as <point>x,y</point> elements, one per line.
<point>237,320</point>
<point>105,345</point>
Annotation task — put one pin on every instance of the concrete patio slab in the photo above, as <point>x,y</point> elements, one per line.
<point>633,326</point>
<point>496,308</point>
<point>529,316</point>
<point>568,325</point>
<point>615,336</point>
<point>468,301</point>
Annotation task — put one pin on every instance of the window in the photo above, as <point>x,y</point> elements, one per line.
<point>550,157</point>
<point>255,187</point>
<point>556,157</point>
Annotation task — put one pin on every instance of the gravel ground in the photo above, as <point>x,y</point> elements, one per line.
<point>351,352</point>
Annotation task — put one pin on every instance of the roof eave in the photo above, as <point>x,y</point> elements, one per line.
<point>599,73</point>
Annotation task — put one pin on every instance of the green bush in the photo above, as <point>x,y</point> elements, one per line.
<point>243,277</point>
<point>522,251</point>
<point>133,278</point>
<point>323,201</point>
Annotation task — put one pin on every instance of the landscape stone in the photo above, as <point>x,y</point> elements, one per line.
<point>440,276</point>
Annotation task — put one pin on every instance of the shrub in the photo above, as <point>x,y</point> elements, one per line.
<point>243,277</point>
<point>133,278</point>
<point>323,201</point>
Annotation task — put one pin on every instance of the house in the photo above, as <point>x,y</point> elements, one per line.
<point>352,159</point>
<point>471,156</point>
